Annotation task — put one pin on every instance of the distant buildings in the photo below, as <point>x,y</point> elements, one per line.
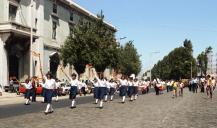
<point>212,64</point>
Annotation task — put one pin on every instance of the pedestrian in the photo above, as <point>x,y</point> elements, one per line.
<point>181,88</point>
<point>175,89</point>
<point>136,84</point>
<point>50,85</point>
<point>1,90</point>
<point>209,88</point>
<point>28,87</point>
<point>202,81</point>
<point>213,83</point>
<point>123,88</point>
<point>56,92</point>
<point>34,89</point>
<point>43,91</point>
<point>83,88</point>
<point>113,86</point>
<point>130,88</point>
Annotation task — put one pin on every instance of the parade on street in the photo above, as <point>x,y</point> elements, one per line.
<point>108,64</point>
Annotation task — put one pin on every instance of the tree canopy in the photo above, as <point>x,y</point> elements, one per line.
<point>202,59</point>
<point>94,43</point>
<point>129,59</point>
<point>177,64</point>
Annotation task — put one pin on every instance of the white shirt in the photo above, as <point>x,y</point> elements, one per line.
<point>43,85</point>
<point>74,82</point>
<point>130,83</point>
<point>50,83</point>
<point>27,86</point>
<point>136,84</point>
<point>123,82</point>
<point>113,85</point>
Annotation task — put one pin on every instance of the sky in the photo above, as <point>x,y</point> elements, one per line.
<point>160,25</point>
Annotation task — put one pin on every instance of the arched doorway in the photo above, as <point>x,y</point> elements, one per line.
<point>54,62</point>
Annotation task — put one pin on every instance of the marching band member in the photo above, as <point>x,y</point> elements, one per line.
<point>50,85</point>
<point>101,90</point>
<point>58,82</point>
<point>95,90</point>
<point>135,88</point>
<point>74,89</point>
<point>113,86</point>
<point>43,90</point>
<point>123,88</point>
<point>83,87</point>
<point>107,88</point>
<point>130,88</point>
<point>28,87</point>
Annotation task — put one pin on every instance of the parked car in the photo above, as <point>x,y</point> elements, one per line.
<point>65,88</point>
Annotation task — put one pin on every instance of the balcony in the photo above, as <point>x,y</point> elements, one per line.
<point>16,28</point>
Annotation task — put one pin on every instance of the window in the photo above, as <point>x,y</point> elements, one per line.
<point>54,27</point>
<point>55,7</point>
<point>71,16</point>
<point>12,12</point>
<point>71,29</point>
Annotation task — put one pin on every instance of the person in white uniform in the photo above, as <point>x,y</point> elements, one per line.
<point>50,85</point>
<point>135,88</point>
<point>74,89</point>
<point>113,86</point>
<point>123,88</point>
<point>28,87</point>
<point>101,90</point>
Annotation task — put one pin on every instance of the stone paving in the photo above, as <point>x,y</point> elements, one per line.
<point>149,111</point>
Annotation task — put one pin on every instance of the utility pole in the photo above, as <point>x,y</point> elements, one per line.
<point>31,40</point>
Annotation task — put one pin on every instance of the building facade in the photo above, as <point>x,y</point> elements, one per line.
<point>212,64</point>
<point>45,23</point>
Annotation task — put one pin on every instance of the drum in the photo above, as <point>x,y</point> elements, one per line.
<point>22,89</point>
<point>39,90</point>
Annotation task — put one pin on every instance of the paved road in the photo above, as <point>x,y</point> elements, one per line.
<point>149,111</point>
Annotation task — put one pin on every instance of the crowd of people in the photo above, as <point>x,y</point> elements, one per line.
<point>104,89</point>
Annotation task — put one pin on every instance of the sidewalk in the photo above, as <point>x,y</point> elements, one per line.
<point>13,98</point>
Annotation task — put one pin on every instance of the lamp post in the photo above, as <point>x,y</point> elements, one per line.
<point>156,52</point>
<point>31,40</point>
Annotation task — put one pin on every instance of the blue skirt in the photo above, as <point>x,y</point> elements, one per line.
<point>43,92</point>
<point>135,90</point>
<point>48,95</point>
<point>112,91</point>
<point>106,90</point>
<point>123,91</point>
<point>130,91</point>
<point>100,93</point>
<point>95,92</point>
<point>73,92</point>
<point>28,93</point>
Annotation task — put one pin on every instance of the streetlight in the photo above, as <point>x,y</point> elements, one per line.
<point>191,67</point>
<point>156,52</point>
<point>31,40</point>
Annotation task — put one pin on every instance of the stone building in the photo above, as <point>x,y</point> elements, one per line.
<point>45,23</point>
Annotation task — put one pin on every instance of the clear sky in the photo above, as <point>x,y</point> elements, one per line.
<point>160,25</point>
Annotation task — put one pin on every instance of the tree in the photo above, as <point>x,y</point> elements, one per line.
<point>129,59</point>
<point>90,43</point>
<point>202,60</point>
<point>177,64</point>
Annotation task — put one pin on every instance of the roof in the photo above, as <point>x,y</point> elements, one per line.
<point>86,12</point>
